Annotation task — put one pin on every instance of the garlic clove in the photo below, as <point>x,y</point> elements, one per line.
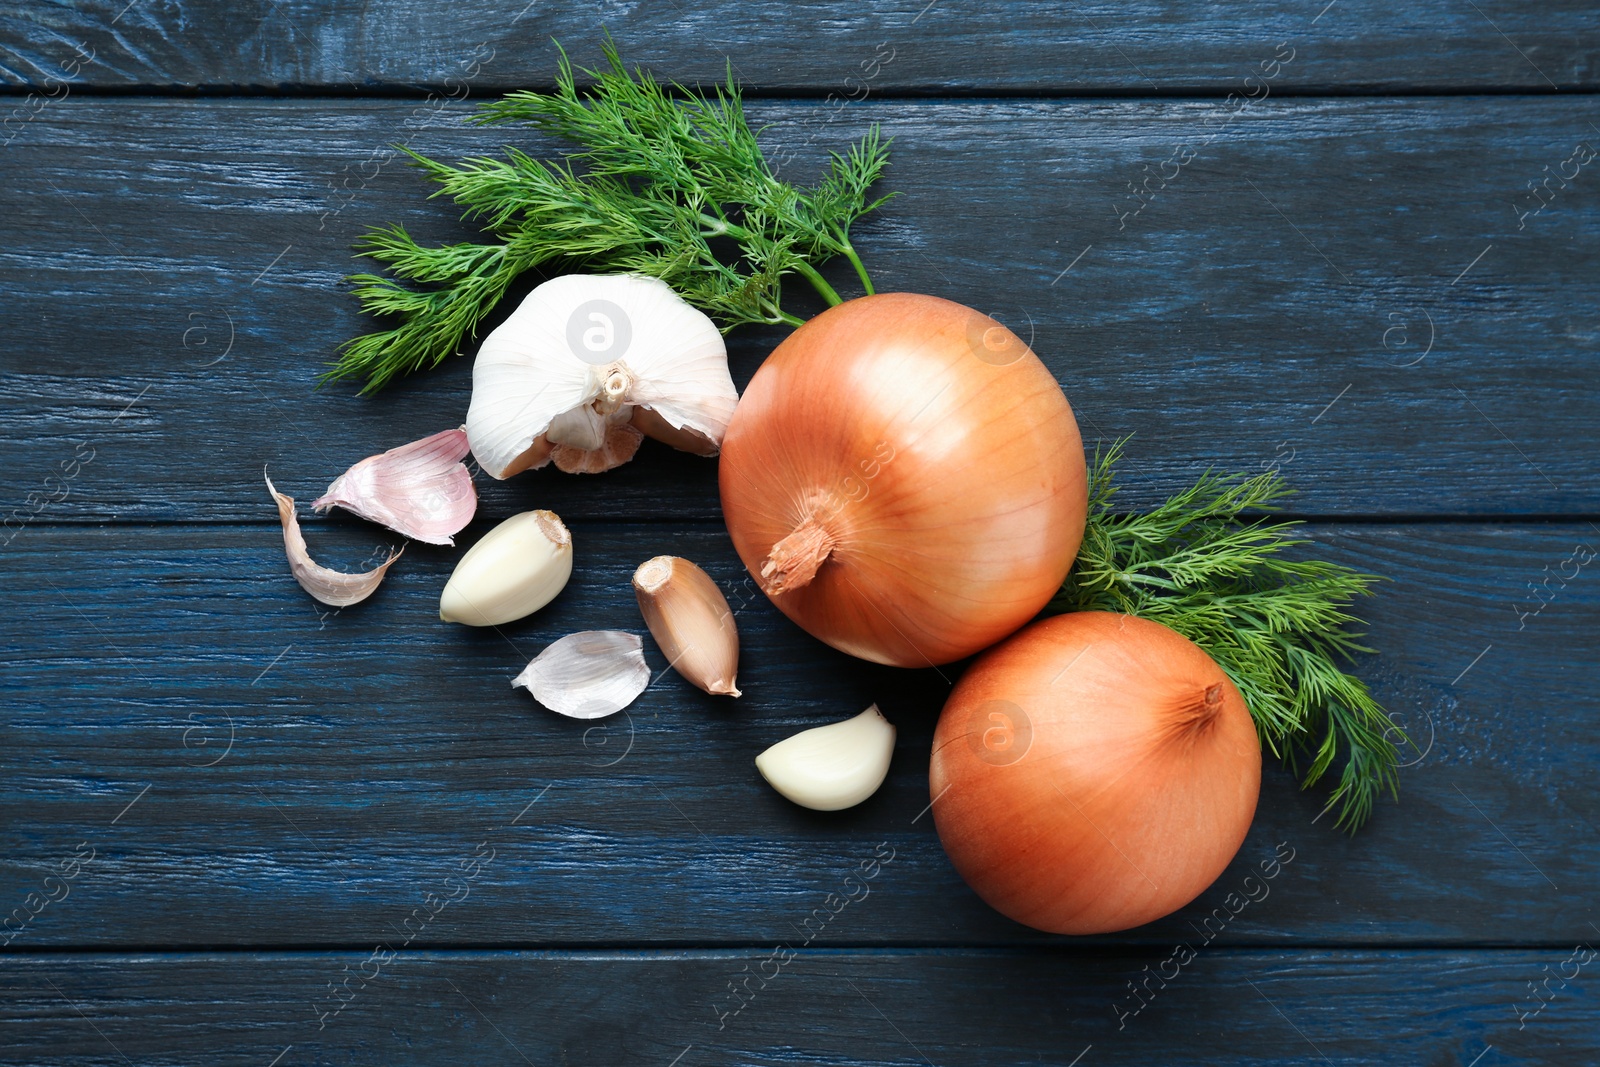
<point>588,675</point>
<point>831,767</point>
<point>518,388</point>
<point>514,570</point>
<point>620,444</point>
<point>334,588</point>
<point>685,382</point>
<point>582,428</point>
<point>536,456</point>
<point>684,440</point>
<point>689,618</point>
<point>421,490</point>
<point>581,347</point>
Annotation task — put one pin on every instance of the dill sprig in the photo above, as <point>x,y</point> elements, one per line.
<point>659,175</point>
<point>1277,626</point>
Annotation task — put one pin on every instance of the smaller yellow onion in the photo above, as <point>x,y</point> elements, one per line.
<point>1094,772</point>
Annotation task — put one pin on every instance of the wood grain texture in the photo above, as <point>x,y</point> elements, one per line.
<point>1338,287</point>
<point>1279,1008</point>
<point>250,769</point>
<point>815,45</point>
<point>251,791</point>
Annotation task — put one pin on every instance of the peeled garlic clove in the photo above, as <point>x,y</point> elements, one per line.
<point>422,489</point>
<point>689,618</point>
<point>517,568</point>
<point>334,588</point>
<point>588,675</point>
<point>834,766</point>
<point>620,444</point>
<point>580,348</point>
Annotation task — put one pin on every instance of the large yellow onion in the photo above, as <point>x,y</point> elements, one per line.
<point>1094,772</point>
<point>905,479</point>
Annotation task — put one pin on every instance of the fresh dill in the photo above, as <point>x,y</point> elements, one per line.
<point>1277,626</point>
<point>660,174</point>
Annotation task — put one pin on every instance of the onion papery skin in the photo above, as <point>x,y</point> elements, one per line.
<point>932,461</point>
<point>1093,773</point>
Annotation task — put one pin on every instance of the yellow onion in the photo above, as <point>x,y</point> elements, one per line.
<point>905,479</point>
<point>1093,773</point>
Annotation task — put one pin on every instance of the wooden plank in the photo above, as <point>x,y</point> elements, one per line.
<point>1338,287</point>
<point>249,770</point>
<point>816,45</point>
<point>1291,1007</point>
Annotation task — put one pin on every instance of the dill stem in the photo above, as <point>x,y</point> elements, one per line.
<point>1135,578</point>
<point>818,282</point>
<point>716,227</point>
<point>855,261</point>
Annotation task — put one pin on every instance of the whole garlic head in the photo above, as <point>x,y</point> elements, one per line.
<point>587,361</point>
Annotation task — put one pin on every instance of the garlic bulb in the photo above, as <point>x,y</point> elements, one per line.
<point>567,375</point>
<point>588,675</point>
<point>517,568</point>
<point>422,489</point>
<point>689,618</point>
<point>333,588</point>
<point>831,767</point>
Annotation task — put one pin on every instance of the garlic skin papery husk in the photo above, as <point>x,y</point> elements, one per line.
<point>333,588</point>
<point>514,570</point>
<point>422,489</point>
<point>831,767</point>
<point>689,618</point>
<point>589,674</point>
<point>585,353</point>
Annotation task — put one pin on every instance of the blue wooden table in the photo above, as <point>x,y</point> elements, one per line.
<point>1352,240</point>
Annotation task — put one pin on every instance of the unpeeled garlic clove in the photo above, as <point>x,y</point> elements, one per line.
<point>831,767</point>
<point>422,489</point>
<point>689,618</point>
<point>334,588</point>
<point>536,455</point>
<point>582,429</point>
<point>588,675</point>
<point>514,570</point>
<point>683,439</point>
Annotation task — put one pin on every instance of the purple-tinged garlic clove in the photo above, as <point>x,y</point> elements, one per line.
<point>421,490</point>
<point>334,588</point>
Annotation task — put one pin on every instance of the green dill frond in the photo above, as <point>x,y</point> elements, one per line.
<point>1279,627</point>
<point>658,173</point>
